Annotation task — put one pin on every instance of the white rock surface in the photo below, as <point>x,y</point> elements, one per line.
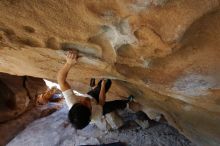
<point>114,120</point>
<point>144,124</point>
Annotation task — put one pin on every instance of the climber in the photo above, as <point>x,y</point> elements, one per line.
<point>90,106</point>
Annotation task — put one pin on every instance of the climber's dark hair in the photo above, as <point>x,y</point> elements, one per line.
<point>79,116</point>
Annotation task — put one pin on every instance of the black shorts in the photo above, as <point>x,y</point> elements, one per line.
<point>109,106</point>
<point>95,92</point>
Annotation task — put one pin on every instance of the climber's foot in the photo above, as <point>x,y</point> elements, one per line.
<point>130,98</point>
<point>92,82</point>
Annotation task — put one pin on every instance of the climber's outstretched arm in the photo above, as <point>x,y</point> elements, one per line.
<point>71,58</point>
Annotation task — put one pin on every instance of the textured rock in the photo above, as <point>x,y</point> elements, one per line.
<point>114,120</point>
<point>144,124</point>
<point>17,101</point>
<point>164,52</point>
<point>110,122</point>
<point>18,94</point>
<point>35,86</point>
<point>11,128</point>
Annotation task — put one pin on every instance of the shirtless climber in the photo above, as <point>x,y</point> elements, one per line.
<point>90,106</point>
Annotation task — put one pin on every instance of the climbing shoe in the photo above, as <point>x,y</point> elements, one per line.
<point>92,82</point>
<point>130,98</point>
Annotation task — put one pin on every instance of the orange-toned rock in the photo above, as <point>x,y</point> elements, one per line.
<point>164,52</point>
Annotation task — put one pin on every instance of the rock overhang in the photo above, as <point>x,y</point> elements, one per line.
<point>164,52</point>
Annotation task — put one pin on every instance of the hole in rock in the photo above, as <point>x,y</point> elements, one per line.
<point>51,85</point>
<point>53,94</point>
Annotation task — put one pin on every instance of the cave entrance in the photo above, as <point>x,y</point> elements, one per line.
<point>51,85</point>
<point>53,94</point>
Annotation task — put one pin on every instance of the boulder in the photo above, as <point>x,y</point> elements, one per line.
<point>18,94</point>
<point>114,120</point>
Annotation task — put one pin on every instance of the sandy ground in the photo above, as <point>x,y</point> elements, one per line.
<point>55,130</point>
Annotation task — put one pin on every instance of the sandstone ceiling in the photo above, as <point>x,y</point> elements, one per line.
<point>165,52</point>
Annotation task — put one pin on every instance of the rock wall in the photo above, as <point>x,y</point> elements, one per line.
<point>17,95</point>
<point>165,52</point>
